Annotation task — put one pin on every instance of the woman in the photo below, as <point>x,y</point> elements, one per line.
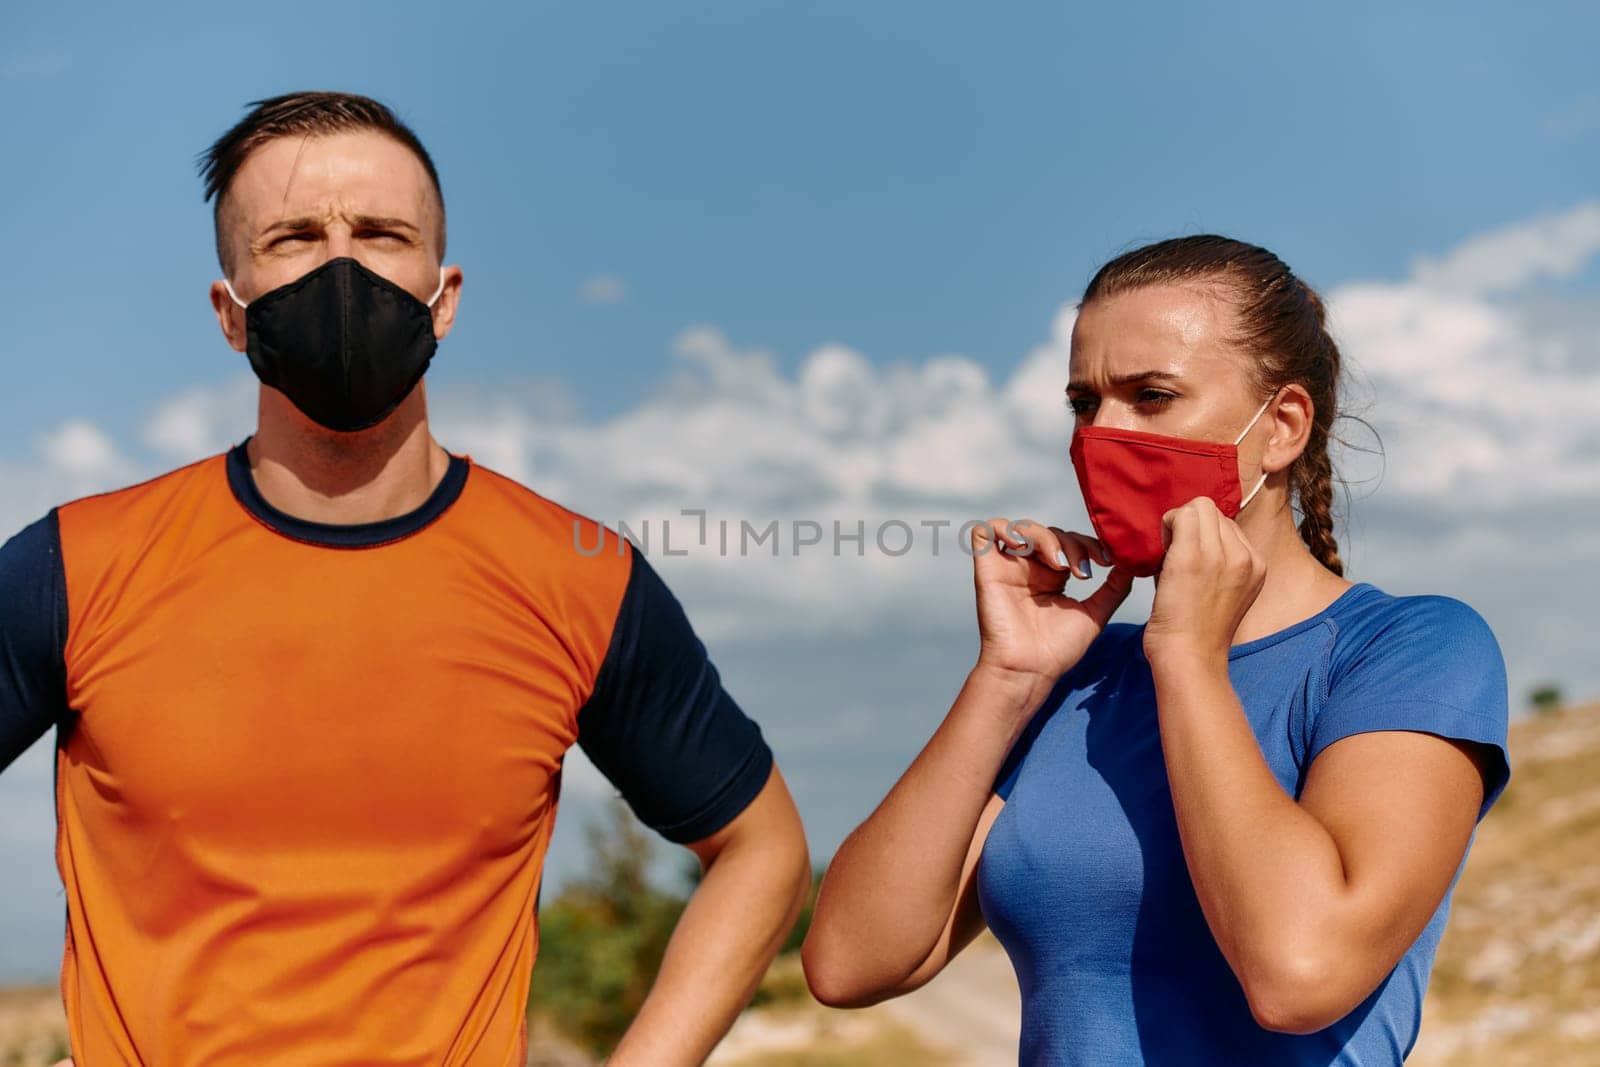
<point>1228,835</point>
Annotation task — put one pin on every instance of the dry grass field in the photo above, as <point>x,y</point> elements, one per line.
<point>1516,982</point>
<point>1517,979</point>
<point>33,1030</point>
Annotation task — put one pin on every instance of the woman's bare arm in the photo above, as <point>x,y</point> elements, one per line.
<point>900,897</point>
<point>1312,902</point>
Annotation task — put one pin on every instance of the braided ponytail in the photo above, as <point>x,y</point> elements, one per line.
<point>1311,476</point>
<point>1282,323</point>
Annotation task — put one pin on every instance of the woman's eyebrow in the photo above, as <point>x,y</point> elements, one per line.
<point>1127,379</point>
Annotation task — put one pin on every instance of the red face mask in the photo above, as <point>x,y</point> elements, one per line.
<point>1130,479</point>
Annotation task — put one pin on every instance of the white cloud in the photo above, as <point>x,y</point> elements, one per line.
<point>80,449</point>
<point>840,441</point>
<point>1477,394</point>
<point>1478,391</point>
<point>73,460</point>
<point>203,420</point>
<point>603,289</point>
<point>1555,246</point>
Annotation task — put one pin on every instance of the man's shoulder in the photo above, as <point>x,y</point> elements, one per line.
<point>502,502</point>
<point>154,503</point>
<point>155,492</point>
<point>576,569</point>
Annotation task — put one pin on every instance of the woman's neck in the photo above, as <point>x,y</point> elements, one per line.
<point>1297,585</point>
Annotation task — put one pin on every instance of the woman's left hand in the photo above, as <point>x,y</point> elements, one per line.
<point>1209,578</point>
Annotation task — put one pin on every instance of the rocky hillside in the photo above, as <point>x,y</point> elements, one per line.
<point>1517,980</point>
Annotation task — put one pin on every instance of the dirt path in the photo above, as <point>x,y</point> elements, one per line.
<point>966,1017</point>
<point>972,1008</point>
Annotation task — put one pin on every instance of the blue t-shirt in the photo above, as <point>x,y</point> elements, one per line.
<point>1083,877</point>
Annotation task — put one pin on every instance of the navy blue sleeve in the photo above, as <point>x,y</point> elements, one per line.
<point>1431,665</point>
<point>33,635</point>
<point>660,726</point>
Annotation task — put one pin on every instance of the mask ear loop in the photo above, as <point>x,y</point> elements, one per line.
<point>1254,491</point>
<point>431,300</point>
<point>1263,480</point>
<point>1252,423</point>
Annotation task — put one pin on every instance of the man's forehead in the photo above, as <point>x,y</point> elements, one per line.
<point>361,172</point>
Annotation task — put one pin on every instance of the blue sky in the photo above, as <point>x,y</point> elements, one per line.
<point>908,178</point>
<point>846,228</point>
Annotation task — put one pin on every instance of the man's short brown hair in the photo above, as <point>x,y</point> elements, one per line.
<point>306,114</point>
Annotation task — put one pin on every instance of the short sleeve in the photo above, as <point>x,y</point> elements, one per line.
<point>33,634</point>
<point>659,724</point>
<point>1431,665</point>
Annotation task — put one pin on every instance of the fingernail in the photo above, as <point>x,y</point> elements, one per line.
<point>1088,571</point>
<point>1061,558</point>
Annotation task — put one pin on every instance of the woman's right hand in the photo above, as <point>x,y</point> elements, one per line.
<point>1029,630</point>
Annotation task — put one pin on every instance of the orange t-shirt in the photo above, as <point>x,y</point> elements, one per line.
<point>307,774</point>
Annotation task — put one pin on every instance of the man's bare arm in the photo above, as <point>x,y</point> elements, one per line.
<point>757,874</point>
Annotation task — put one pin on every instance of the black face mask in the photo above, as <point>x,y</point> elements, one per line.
<point>345,345</point>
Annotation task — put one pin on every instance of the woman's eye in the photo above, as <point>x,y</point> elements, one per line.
<point>1155,397</point>
<point>1082,406</point>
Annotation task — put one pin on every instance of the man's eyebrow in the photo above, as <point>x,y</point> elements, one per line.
<point>384,222</point>
<point>1127,379</point>
<point>303,222</point>
<point>311,222</point>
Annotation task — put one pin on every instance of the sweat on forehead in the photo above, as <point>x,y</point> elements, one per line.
<point>1169,328</point>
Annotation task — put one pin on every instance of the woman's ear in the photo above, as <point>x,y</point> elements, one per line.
<point>1292,414</point>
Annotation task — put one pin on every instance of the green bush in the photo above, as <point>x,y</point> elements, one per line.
<point>602,939</point>
<point>798,934</point>
<point>1545,698</point>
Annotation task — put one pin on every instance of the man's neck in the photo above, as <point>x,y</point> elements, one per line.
<point>341,478</point>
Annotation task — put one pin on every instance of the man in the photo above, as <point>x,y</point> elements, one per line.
<point>313,694</point>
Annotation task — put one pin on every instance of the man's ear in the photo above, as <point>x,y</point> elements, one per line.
<point>1293,415</point>
<point>444,309</point>
<point>230,317</point>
